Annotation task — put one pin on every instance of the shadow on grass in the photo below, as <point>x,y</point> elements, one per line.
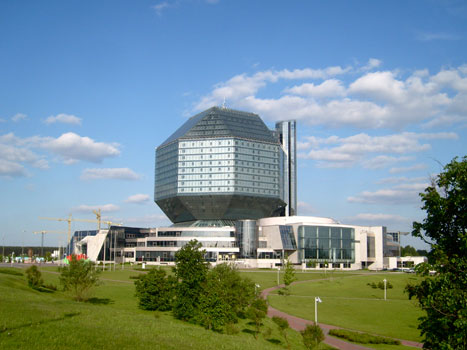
<point>100,301</point>
<point>30,324</point>
<point>274,341</point>
<point>248,331</point>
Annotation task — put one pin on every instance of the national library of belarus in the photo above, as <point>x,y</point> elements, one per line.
<point>228,181</point>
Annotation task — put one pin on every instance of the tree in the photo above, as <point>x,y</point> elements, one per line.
<point>257,312</point>
<point>282,325</point>
<point>408,251</point>
<point>191,271</point>
<point>444,296</point>
<point>155,290</point>
<point>289,277</point>
<point>79,277</point>
<point>312,336</point>
<point>34,277</point>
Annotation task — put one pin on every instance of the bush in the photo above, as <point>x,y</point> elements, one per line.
<point>312,336</point>
<point>79,277</point>
<point>362,338</point>
<point>256,312</point>
<point>282,325</point>
<point>34,277</point>
<point>155,290</point>
<point>380,285</point>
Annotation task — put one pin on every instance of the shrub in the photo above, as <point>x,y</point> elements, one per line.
<point>312,336</point>
<point>362,338</point>
<point>79,277</point>
<point>155,290</point>
<point>283,325</point>
<point>34,277</point>
<point>256,312</point>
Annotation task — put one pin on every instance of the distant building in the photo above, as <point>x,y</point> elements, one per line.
<point>226,180</point>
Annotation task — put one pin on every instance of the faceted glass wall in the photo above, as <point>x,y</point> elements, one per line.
<point>325,243</point>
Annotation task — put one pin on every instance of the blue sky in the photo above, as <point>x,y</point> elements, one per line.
<point>88,89</point>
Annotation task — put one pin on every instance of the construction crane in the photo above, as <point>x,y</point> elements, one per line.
<point>42,238</point>
<point>70,219</point>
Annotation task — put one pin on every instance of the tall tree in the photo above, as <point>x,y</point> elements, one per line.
<point>190,270</point>
<point>444,296</point>
<point>289,277</point>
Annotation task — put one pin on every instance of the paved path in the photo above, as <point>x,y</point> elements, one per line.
<point>299,324</point>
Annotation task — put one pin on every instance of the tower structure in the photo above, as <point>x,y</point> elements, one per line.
<point>221,164</point>
<point>287,134</point>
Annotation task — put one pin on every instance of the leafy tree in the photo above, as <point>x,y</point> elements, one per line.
<point>191,270</point>
<point>408,251</point>
<point>79,277</point>
<point>34,277</point>
<point>257,312</point>
<point>282,325</point>
<point>312,336</point>
<point>289,278</point>
<point>444,296</point>
<point>155,290</point>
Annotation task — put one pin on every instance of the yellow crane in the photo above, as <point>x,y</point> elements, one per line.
<point>42,238</point>
<point>70,219</point>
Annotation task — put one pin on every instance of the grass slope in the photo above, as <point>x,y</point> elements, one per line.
<point>348,302</point>
<point>33,320</point>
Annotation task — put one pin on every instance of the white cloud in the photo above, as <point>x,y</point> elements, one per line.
<point>399,194</point>
<point>105,208</point>
<point>402,179</point>
<point>328,88</point>
<point>137,198</point>
<point>160,7</point>
<point>381,218</point>
<point>109,173</point>
<point>18,117</point>
<point>2,120</point>
<point>372,63</point>
<point>369,151</point>
<point>305,208</point>
<point>63,118</point>
<point>436,36</point>
<point>414,167</point>
<point>376,99</point>
<point>73,148</point>
<point>11,169</point>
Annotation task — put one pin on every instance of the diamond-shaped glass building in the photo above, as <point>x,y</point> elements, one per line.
<point>221,164</point>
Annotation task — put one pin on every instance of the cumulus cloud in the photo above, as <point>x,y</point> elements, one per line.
<point>370,217</point>
<point>399,194</point>
<point>63,118</point>
<point>151,220</point>
<point>109,173</point>
<point>436,36</point>
<point>18,117</point>
<point>105,208</point>
<point>370,151</point>
<point>366,99</point>
<point>15,153</point>
<point>414,167</point>
<point>73,148</point>
<point>138,198</point>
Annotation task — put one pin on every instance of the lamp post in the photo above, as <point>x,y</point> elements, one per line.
<point>317,300</point>
<point>256,288</point>
<point>384,288</point>
<point>278,272</point>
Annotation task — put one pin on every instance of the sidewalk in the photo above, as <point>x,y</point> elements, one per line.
<point>299,324</point>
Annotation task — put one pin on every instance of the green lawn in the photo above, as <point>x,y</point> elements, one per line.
<point>348,302</point>
<point>33,320</point>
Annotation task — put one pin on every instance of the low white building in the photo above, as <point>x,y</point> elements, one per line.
<point>309,242</point>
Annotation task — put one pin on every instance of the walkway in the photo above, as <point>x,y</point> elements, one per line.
<point>299,324</point>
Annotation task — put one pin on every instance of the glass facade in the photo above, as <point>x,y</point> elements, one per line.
<point>287,237</point>
<point>221,164</point>
<point>287,135</point>
<point>247,238</point>
<point>325,243</point>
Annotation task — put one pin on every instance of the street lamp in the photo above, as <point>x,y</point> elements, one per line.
<point>384,288</point>
<point>256,288</point>
<point>317,300</point>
